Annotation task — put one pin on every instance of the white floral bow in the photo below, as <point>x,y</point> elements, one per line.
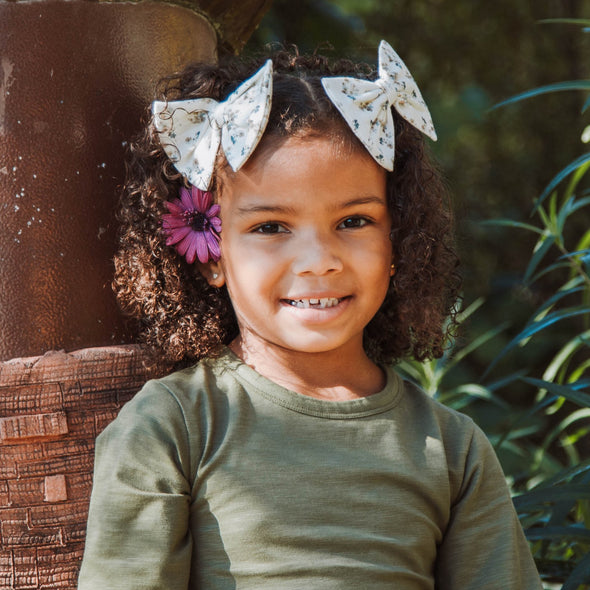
<point>191,130</point>
<point>366,106</point>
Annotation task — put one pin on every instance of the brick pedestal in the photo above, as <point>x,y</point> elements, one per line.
<point>52,408</point>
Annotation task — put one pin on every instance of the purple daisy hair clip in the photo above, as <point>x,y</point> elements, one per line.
<point>192,225</point>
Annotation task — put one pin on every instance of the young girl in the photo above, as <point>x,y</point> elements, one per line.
<point>285,238</point>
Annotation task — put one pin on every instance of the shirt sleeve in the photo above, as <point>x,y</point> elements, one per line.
<point>138,532</point>
<point>484,547</point>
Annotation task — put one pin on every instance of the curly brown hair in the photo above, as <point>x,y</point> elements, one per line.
<point>183,318</point>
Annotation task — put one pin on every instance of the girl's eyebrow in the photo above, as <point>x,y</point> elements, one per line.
<point>365,200</point>
<point>265,209</point>
<point>286,210</point>
<point>282,209</point>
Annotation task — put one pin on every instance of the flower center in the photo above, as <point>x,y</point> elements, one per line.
<point>197,220</point>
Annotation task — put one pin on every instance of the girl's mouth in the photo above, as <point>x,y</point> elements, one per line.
<point>322,303</point>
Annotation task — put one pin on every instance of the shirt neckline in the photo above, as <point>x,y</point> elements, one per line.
<point>376,403</point>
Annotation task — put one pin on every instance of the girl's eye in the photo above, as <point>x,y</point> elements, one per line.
<point>270,228</point>
<point>353,222</point>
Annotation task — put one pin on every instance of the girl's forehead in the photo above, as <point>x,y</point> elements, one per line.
<point>298,168</point>
<point>287,155</point>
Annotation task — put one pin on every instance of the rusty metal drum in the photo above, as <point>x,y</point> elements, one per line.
<point>75,78</point>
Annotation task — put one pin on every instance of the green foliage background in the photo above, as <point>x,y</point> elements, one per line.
<point>521,366</point>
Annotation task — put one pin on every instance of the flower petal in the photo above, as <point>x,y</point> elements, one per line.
<point>202,250</point>
<point>192,249</point>
<point>216,224</point>
<point>213,210</point>
<point>213,245</point>
<point>197,198</point>
<point>184,244</point>
<point>172,221</point>
<point>175,207</point>
<point>203,200</point>
<point>176,235</point>
<point>185,197</point>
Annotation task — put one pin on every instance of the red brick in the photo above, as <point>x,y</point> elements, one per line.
<point>26,492</point>
<point>70,446</point>
<point>57,465</point>
<point>25,569</point>
<point>6,578</point>
<point>31,426</point>
<point>80,486</point>
<point>19,534</point>
<point>18,452</point>
<point>74,532</point>
<point>7,469</point>
<point>4,497</point>
<point>104,419</point>
<point>19,514</point>
<point>55,488</point>
<point>50,515</point>
<point>30,398</point>
<point>82,424</point>
<point>59,566</point>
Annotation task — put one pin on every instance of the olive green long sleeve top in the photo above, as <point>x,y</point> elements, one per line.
<point>215,478</point>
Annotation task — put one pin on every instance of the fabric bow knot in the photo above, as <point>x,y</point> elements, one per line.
<point>366,105</point>
<point>192,130</point>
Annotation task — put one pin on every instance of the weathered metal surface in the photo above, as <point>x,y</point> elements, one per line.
<point>76,78</point>
<point>234,21</point>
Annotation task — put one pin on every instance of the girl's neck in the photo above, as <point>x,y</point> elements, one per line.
<point>337,375</point>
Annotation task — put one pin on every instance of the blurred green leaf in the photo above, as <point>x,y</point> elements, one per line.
<point>564,355</point>
<point>541,248</point>
<point>580,575</point>
<point>534,328</point>
<point>511,223</point>
<point>556,180</point>
<point>558,533</point>
<point>539,497</point>
<point>583,22</point>
<point>567,391</point>
<point>566,475</point>
<point>550,88</point>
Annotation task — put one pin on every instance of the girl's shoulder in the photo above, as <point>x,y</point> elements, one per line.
<point>425,404</point>
<point>188,386</point>
<point>175,398</point>
<point>456,432</point>
<point>173,414</point>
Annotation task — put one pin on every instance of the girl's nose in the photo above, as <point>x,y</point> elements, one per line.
<point>316,254</point>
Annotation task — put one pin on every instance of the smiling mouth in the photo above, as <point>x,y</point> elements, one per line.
<point>322,303</point>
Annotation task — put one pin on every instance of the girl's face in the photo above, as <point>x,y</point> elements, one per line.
<point>305,247</point>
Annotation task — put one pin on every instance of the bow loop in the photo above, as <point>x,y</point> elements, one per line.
<point>366,106</point>
<point>217,117</point>
<point>192,130</point>
<point>389,89</point>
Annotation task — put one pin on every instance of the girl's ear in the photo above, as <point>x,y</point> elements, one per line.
<point>213,272</point>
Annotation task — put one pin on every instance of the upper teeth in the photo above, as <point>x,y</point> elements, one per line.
<point>321,303</point>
